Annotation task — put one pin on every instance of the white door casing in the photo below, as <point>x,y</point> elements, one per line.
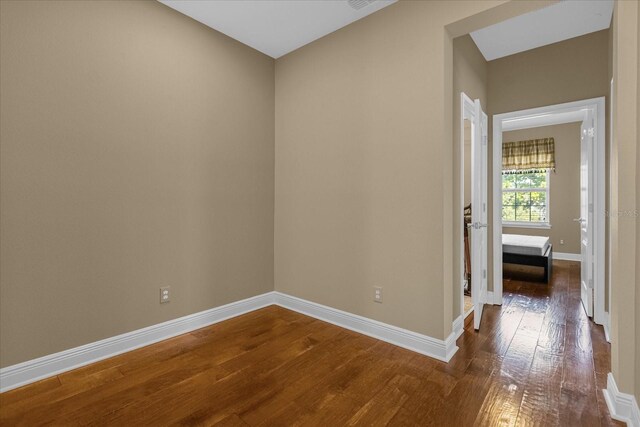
<point>585,221</point>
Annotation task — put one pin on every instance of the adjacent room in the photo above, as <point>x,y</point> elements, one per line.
<point>319,212</point>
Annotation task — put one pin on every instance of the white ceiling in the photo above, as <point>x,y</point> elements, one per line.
<point>560,21</point>
<point>277,27</point>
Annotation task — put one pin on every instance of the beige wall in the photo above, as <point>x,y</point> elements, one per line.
<point>564,186</point>
<point>364,150</point>
<point>123,170</point>
<point>625,326</point>
<point>137,151</point>
<point>552,74</point>
<point>469,76</point>
<point>637,216</point>
<point>567,71</point>
<point>353,207</point>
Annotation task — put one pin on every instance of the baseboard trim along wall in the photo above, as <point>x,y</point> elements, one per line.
<point>33,370</point>
<point>423,344</point>
<point>607,326</point>
<point>623,406</point>
<point>567,256</point>
<point>458,326</point>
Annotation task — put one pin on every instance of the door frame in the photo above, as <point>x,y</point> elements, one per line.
<point>569,112</point>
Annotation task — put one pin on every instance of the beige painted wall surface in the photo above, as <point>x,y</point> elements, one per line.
<point>362,146</point>
<point>137,151</point>
<point>564,186</point>
<point>567,71</point>
<point>624,189</point>
<point>469,76</point>
<point>637,217</point>
<point>549,75</point>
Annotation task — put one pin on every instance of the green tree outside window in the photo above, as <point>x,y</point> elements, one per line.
<point>525,197</point>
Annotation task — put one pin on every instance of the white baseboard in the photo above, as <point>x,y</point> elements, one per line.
<point>423,344</point>
<point>623,406</point>
<point>33,370</point>
<point>607,334</point>
<point>607,327</point>
<point>458,327</point>
<point>567,256</point>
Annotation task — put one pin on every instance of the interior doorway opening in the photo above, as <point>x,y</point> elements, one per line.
<point>590,114</point>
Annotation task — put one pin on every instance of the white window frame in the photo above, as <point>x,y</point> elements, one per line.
<point>529,224</point>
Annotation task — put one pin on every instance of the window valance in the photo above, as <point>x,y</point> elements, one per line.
<point>536,155</point>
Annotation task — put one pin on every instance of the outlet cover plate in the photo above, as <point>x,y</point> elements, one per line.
<point>377,294</point>
<point>165,294</point>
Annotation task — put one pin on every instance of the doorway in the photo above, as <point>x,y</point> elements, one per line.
<point>590,113</point>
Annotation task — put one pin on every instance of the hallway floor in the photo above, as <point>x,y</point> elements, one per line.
<point>468,303</point>
<point>537,360</point>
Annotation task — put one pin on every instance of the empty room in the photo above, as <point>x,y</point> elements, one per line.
<point>319,212</point>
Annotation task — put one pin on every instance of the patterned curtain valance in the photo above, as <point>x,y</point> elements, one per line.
<point>529,156</point>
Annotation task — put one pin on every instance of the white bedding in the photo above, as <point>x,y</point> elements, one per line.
<point>524,245</point>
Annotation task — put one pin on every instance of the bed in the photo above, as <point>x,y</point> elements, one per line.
<point>536,251</point>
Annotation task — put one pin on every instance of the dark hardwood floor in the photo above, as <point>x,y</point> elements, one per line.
<point>537,360</point>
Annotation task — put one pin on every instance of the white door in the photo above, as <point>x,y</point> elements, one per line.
<point>586,212</point>
<point>479,240</point>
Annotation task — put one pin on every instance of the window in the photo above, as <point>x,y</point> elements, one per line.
<point>525,198</point>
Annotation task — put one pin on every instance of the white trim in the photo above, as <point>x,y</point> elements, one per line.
<point>607,332</point>
<point>37,369</point>
<point>458,326</point>
<point>600,206</point>
<point>565,256</point>
<point>542,225</point>
<point>479,242</point>
<point>33,370</point>
<point>610,242</point>
<point>544,116</point>
<point>496,196</point>
<point>531,224</point>
<point>491,299</point>
<point>545,119</point>
<point>423,344</point>
<point>468,112</point>
<point>607,327</point>
<point>623,406</point>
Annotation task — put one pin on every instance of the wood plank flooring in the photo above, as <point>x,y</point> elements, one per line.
<point>537,360</point>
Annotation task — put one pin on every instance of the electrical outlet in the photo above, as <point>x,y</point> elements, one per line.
<point>165,295</point>
<point>377,293</point>
<point>561,242</point>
